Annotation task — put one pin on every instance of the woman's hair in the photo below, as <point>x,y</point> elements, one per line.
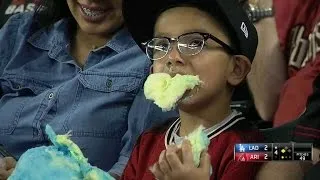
<point>50,11</point>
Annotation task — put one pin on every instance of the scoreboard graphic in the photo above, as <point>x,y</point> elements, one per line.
<point>273,152</point>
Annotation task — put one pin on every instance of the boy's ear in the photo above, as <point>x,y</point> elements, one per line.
<point>241,67</point>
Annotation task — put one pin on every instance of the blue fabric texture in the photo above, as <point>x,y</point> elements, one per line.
<point>102,103</point>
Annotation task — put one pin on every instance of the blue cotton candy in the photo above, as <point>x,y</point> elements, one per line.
<point>61,161</point>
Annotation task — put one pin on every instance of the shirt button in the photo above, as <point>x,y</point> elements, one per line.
<point>109,83</point>
<point>51,95</point>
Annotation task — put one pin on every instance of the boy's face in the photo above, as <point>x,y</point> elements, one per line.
<point>213,64</point>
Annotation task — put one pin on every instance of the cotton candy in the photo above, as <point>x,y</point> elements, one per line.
<point>199,142</point>
<point>63,160</point>
<point>166,91</point>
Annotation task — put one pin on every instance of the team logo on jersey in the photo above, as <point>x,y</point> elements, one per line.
<point>244,29</point>
<point>303,50</point>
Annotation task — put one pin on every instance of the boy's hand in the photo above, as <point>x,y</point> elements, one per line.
<point>177,164</point>
<point>7,165</point>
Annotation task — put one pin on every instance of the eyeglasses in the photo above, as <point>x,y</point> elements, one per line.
<point>188,44</point>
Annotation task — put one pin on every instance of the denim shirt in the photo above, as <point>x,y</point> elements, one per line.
<point>102,104</point>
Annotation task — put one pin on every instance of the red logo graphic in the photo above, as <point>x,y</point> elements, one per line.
<point>18,2</point>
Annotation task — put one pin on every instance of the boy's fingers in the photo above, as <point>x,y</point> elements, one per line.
<point>172,148</point>
<point>156,171</point>
<point>173,159</point>
<point>4,174</point>
<point>163,164</point>
<point>9,163</point>
<point>2,163</point>
<point>187,156</point>
<point>10,171</point>
<point>161,157</point>
<point>205,162</point>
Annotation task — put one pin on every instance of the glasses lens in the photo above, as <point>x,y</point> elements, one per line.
<point>190,44</point>
<point>157,48</point>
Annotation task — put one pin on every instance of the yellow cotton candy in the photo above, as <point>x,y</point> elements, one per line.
<point>156,84</point>
<point>166,91</point>
<point>199,142</point>
<point>58,160</point>
<point>73,148</point>
<point>92,175</point>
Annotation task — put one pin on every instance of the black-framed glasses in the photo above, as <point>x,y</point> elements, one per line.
<point>188,44</point>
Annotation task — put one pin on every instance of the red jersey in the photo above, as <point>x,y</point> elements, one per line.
<point>298,27</point>
<point>223,137</point>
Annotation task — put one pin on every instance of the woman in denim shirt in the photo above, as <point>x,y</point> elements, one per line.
<point>74,66</point>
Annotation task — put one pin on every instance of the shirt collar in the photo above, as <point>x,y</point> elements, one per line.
<point>121,41</point>
<point>50,37</point>
<point>172,137</point>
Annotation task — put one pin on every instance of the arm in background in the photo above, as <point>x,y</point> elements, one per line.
<point>268,71</point>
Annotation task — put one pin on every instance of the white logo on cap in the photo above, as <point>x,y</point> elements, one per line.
<point>244,29</point>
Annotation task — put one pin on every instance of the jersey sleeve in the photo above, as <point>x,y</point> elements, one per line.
<point>241,170</point>
<point>285,14</point>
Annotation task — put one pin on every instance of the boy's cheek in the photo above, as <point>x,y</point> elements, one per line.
<point>157,67</point>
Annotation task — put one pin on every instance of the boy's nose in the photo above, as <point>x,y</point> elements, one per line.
<point>174,57</point>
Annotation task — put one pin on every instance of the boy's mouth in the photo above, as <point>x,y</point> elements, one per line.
<point>189,94</point>
<point>172,71</point>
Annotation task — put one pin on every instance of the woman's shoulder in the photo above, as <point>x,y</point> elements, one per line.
<point>20,22</point>
<point>25,25</point>
<point>156,132</point>
<point>13,32</point>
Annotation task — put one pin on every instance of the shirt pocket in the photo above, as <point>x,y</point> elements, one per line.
<point>102,104</point>
<point>16,94</point>
<point>113,82</point>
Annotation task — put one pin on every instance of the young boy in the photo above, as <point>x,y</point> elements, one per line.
<point>214,40</point>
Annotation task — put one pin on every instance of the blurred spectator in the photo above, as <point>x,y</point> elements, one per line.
<point>11,7</point>
<point>284,71</point>
<point>287,59</point>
